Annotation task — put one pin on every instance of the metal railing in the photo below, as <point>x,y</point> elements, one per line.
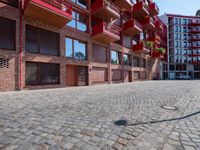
<point>59,4</point>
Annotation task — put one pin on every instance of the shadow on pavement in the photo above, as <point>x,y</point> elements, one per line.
<point>125,122</point>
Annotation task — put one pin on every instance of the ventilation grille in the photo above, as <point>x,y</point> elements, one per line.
<point>4,63</point>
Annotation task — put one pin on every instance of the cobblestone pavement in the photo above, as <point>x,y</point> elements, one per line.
<point>85,117</point>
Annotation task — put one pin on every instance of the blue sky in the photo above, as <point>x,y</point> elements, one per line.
<point>182,7</point>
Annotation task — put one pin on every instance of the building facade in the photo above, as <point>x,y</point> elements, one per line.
<point>183,45</point>
<point>59,43</point>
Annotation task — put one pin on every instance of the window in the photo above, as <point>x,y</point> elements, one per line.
<point>81,3</point>
<point>7,34</point>
<point>42,41</point>
<point>75,49</point>
<point>172,67</point>
<point>99,53</point>
<point>42,73</point>
<point>79,21</point>
<point>127,60</point>
<point>143,63</point>
<point>115,57</point>
<point>136,61</point>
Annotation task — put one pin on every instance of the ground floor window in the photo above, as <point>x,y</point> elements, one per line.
<point>42,73</point>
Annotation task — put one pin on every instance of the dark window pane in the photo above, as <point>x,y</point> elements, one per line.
<point>7,34</point>
<point>49,73</point>
<point>32,44</point>
<point>49,43</point>
<point>31,73</point>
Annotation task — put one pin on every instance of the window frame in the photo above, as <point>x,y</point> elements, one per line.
<point>39,41</point>
<point>73,49</point>
<point>76,21</point>
<point>13,34</point>
<point>38,74</point>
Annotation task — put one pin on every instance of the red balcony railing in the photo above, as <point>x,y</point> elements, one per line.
<point>193,55</point>
<point>105,10</point>
<point>148,23</point>
<point>194,38</point>
<point>55,12</point>
<point>194,23</point>
<point>157,55</point>
<point>123,4</point>
<point>105,33</point>
<point>158,26</point>
<point>140,10</point>
<point>153,9</point>
<point>194,31</point>
<point>156,38</point>
<point>141,48</point>
<point>132,27</point>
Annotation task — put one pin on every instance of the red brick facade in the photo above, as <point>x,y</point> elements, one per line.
<point>10,76</point>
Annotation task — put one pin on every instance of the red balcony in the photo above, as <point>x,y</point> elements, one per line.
<point>105,33</point>
<point>194,24</point>
<point>148,23</point>
<point>132,27</point>
<point>194,31</point>
<point>157,55</point>
<point>155,39</point>
<point>105,10</point>
<point>193,38</point>
<point>195,62</point>
<point>140,10</point>
<point>54,12</point>
<point>158,26</point>
<point>153,9</point>
<point>193,55</point>
<point>123,4</point>
<point>141,48</point>
<point>194,47</point>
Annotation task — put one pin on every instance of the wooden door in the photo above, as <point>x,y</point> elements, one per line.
<point>71,75</point>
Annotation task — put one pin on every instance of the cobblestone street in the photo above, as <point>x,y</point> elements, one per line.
<point>88,118</point>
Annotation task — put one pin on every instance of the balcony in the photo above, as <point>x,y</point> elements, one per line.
<point>193,55</point>
<point>153,9</point>
<point>195,38</point>
<point>141,48</point>
<point>194,47</point>
<point>157,55</point>
<point>123,4</point>
<point>194,31</point>
<point>148,23</point>
<point>194,24</point>
<point>105,33</point>
<point>140,10</point>
<point>54,12</point>
<point>155,39</point>
<point>195,62</point>
<point>105,10</point>
<point>158,26</point>
<point>132,27</point>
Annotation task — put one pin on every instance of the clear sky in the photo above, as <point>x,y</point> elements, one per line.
<point>182,7</point>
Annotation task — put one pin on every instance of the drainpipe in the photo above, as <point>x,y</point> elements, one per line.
<point>122,42</point>
<point>20,44</point>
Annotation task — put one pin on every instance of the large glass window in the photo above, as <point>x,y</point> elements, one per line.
<point>42,73</point>
<point>115,57</point>
<point>136,61</point>
<point>42,41</point>
<point>76,49</point>
<point>79,21</point>
<point>7,34</point>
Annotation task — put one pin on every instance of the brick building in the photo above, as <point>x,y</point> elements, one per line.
<point>59,43</point>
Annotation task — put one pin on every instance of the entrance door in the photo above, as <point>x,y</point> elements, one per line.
<point>71,75</point>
